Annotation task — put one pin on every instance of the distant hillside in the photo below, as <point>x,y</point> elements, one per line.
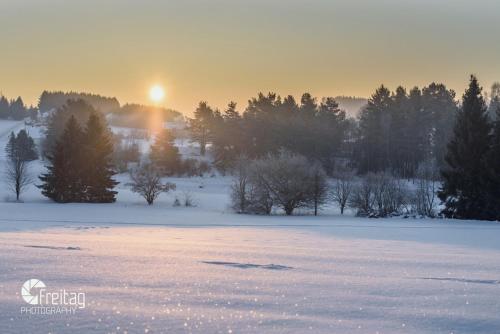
<point>141,116</point>
<point>55,100</point>
<point>351,104</point>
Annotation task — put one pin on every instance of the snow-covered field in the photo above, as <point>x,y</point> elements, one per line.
<point>204,269</point>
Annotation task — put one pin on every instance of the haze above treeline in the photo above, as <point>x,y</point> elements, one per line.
<point>225,50</point>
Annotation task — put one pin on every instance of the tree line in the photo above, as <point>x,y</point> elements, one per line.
<point>15,109</point>
<point>282,153</point>
<point>310,128</point>
<point>421,134</point>
<point>54,100</point>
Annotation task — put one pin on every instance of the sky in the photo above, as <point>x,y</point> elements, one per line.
<point>223,50</point>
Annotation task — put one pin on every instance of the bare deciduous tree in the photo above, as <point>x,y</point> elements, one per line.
<point>285,180</point>
<point>240,188</point>
<point>146,181</point>
<point>248,194</point>
<point>343,188</point>
<point>18,176</point>
<point>379,195</point>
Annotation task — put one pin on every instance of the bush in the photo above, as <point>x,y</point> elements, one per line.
<point>124,154</point>
<point>379,195</point>
<point>193,167</point>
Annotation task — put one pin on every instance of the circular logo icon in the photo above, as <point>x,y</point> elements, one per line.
<point>26,290</point>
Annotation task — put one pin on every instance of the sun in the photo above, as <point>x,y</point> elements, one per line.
<point>156,93</point>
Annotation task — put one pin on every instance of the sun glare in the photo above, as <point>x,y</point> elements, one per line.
<point>156,93</point>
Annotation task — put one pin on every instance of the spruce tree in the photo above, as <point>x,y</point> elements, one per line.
<point>492,180</point>
<point>164,154</point>
<point>80,109</point>
<point>25,146</point>
<point>11,149</point>
<point>99,170</point>
<point>63,181</point>
<point>462,190</point>
<point>4,107</point>
<point>17,109</point>
<point>21,147</point>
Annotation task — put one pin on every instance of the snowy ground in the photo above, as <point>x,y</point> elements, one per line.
<point>165,269</point>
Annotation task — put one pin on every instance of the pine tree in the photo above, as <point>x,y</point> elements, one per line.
<point>231,113</point>
<point>374,124</point>
<point>308,105</point>
<point>462,190</point>
<point>63,181</point>
<point>164,154</point>
<point>201,124</point>
<point>227,142</point>
<point>327,130</point>
<point>99,169</point>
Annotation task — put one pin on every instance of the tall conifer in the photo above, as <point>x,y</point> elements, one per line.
<point>63,181</point>
<point>492,180</point>
<point>164,154</point>
<point>99,170</point>
<point>462,191</point>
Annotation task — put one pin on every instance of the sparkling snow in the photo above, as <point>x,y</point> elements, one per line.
<point>204,269</point>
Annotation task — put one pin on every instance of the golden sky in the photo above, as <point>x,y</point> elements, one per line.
<point>222,50</point>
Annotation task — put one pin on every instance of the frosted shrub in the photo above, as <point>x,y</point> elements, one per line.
<point>363,197</point>
<point>379,195</point>
<point>146,181</point>
<point>188,199</point>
